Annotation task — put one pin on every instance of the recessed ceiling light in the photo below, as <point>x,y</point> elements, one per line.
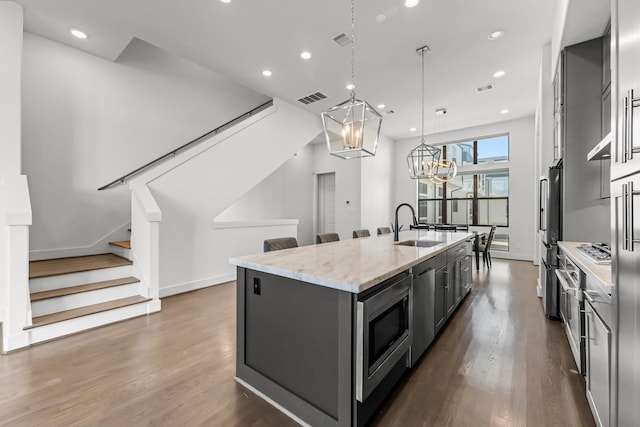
<point>267,73</point>
<point>505,111</point>
<point>411,3</point>
<point>412,130</point>
<point>351,86</point>
<point>79,34</point>
<point>380,18</point>
<point>496,35</point>
<point>305,55</point>
<point>225,1</point>
<point>498,73</point>
<point>381,106</point>
<point>441,111</point>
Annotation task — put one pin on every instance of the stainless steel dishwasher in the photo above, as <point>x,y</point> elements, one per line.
<point>424,284</point>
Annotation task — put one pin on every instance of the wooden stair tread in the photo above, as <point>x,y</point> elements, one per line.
<point>52,267</point>
<point>122,244</point>
<point>38,296</point>
<point>85,311</point>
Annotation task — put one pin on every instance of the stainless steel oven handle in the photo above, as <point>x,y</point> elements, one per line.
<point>565,284</point>
<point>588,294</point>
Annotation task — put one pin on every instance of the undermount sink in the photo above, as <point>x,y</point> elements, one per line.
<point>419,243</point>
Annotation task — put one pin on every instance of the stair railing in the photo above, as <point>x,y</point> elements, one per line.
<point>123,179</point>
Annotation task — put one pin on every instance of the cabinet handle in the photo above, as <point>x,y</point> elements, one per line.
<point>625,217</point>
<point>625,129</point>
<point>629,140</point>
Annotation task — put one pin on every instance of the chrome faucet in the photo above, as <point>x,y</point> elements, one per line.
<point>396,230</point>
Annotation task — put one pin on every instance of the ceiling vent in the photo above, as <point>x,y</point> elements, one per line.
<point>484,88</point>
<point>318,96</point>
<point>342,40</point>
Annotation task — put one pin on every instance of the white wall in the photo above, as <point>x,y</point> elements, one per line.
<point>285,194</point>
<point>11,18</point>
<point>195,191</point>
<point>348,188</point>
<point>87,121</point>
<point>523,178</point>
<point>376,174</point>
<point>289,192</point>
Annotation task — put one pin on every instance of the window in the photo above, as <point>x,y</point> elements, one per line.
<point>473,197</point>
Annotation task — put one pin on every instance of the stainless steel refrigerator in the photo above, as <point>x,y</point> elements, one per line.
<point>625,191</point>
<point>551,225</point>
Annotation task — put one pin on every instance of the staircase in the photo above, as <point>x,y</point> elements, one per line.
<point>69,295</point>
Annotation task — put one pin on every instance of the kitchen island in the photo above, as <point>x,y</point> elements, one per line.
<point>324,332</point>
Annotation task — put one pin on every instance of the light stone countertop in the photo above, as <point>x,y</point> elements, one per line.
<point>351,265</point>
<point>601,273</point>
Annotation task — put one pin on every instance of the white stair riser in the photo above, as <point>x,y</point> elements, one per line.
<point>68,302</point>
<point>41,284</point>
<point>72,326</point>
<point>123,252</point>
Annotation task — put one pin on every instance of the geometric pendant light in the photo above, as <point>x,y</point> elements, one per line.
<point>425,161</point>
<point>356,123</point>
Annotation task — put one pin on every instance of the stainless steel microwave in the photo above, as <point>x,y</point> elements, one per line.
<point>383,322</point>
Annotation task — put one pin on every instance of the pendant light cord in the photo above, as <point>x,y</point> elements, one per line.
<point>422,82</point>
<point>353,52</point>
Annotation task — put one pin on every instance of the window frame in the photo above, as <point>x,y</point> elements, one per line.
<point>474,170</point>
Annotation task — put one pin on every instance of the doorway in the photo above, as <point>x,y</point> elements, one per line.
<point>326,203</point>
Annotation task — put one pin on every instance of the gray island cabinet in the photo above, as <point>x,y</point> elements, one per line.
<point>325,332</point>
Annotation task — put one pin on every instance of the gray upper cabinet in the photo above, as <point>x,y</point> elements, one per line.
<point>585,214</point>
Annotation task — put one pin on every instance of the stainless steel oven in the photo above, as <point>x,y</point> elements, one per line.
<point>383,322</point>
<point>571,282</point>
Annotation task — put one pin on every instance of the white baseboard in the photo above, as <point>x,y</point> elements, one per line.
<point>10,344</point>
<point>539,288</point>
<point>508,255</point>
<point>196,284</point>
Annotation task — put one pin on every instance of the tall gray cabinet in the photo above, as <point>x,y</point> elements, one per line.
<point>625,211</point>
<point>578,126</point>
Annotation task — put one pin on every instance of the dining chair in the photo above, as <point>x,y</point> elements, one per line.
<point>485,247</point>
<point>360,233</point>
<point>280,243</point>
<point>327,237</point>
<point>383,230</point>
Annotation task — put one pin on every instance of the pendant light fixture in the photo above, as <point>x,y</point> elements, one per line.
<point>352,128</point>
<point>424,161</point>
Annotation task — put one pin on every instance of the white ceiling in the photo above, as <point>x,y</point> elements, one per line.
<point>241,38</point>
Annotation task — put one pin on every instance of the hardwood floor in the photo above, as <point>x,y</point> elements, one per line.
<point>499,362</point>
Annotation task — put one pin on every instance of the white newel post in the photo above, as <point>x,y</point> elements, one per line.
<point>15,207</point>
<point>145,241</point>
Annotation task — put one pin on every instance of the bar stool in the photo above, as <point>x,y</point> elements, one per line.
<point>383,230</point>
<point>327,237</point>
<point>280,243</point>
<point>360,233</point>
